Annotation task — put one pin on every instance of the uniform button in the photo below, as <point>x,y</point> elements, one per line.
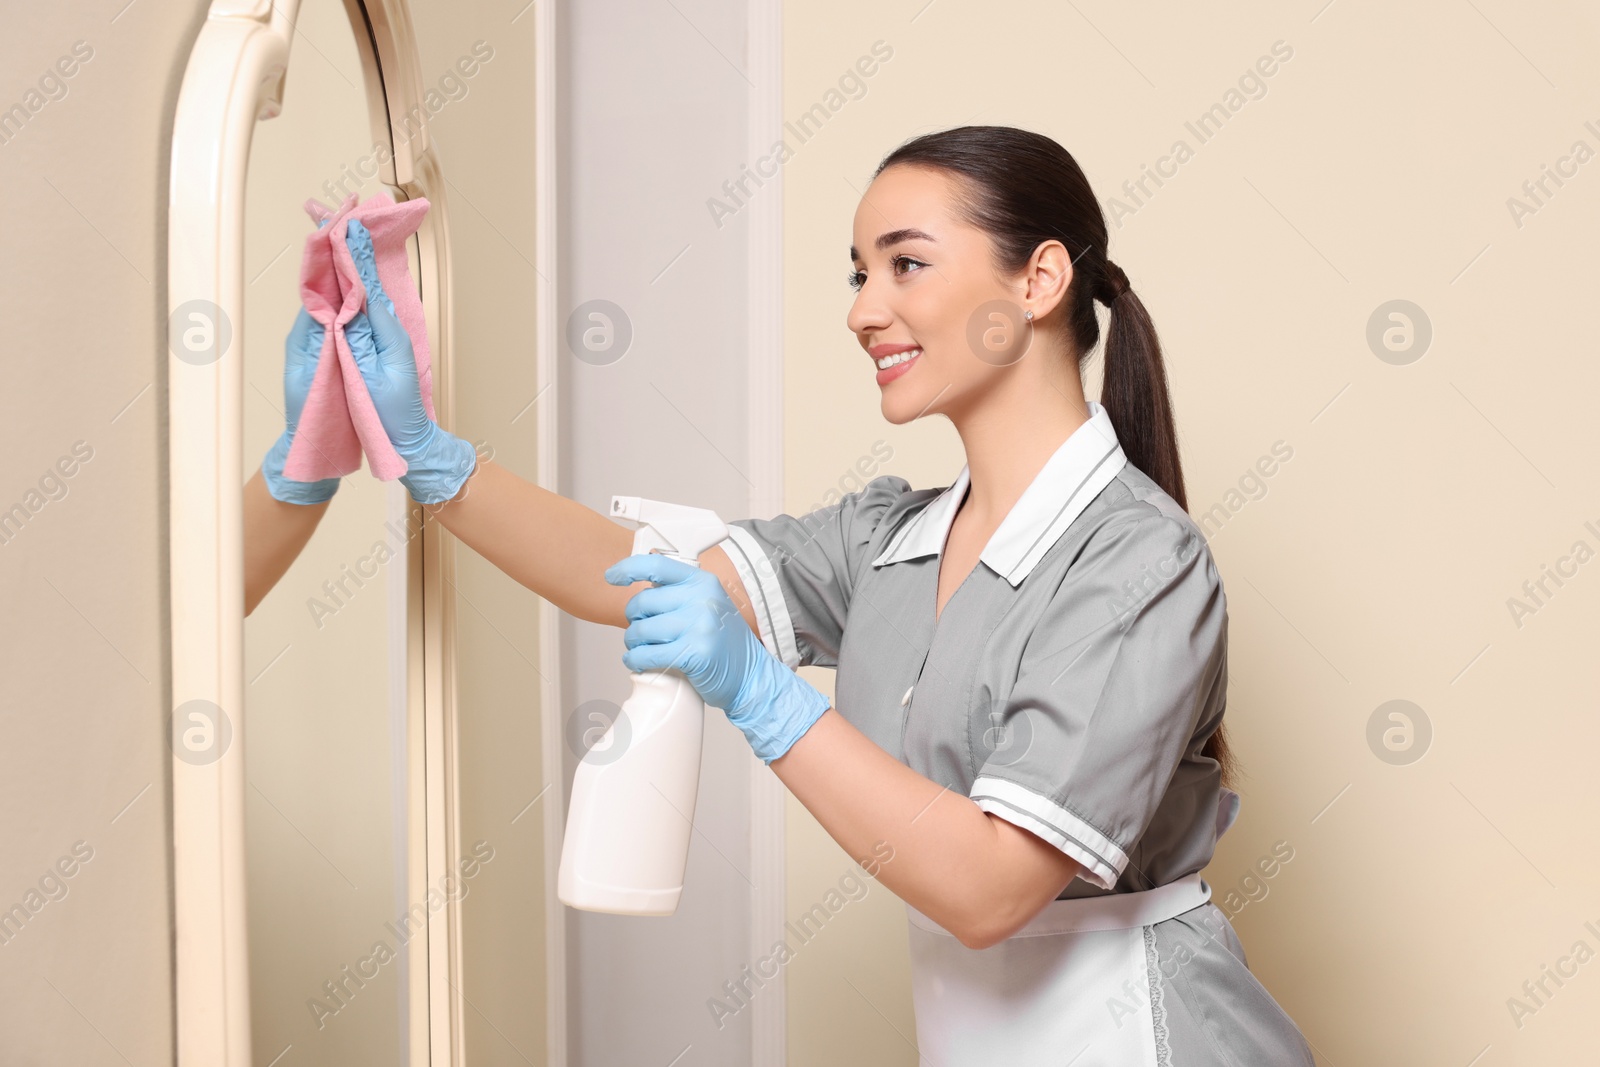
<point>907,698</point>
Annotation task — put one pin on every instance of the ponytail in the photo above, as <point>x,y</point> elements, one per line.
<point>1134,393</point>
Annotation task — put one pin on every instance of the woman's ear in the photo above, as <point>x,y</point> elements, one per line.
<point>1047,277</point>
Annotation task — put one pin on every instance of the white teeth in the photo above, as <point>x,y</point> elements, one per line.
<point>899,357</point>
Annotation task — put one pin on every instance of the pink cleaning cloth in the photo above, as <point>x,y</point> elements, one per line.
<point>339,421</point>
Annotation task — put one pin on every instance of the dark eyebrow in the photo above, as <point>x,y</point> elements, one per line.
<point>895,237</point>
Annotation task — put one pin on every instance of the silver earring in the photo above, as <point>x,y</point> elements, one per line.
<point>1027,316</point>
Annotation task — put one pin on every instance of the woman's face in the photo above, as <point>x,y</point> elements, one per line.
<point>931,285</point>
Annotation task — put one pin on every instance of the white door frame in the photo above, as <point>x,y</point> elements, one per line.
<point>768,836</point>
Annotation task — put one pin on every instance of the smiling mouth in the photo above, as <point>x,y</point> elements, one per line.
<point>899,357</point>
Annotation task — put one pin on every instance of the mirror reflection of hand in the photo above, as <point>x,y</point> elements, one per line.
<point>301,350</point>
<point>438,463</point>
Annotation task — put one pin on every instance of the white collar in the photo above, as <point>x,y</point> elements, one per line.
<point>1083,465</point>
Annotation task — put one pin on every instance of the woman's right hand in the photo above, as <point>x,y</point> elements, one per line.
<point>688,623</point>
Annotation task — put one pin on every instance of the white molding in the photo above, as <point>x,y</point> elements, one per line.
<point>548,357</point>
<point>768,803</point>
<point>234,70</point>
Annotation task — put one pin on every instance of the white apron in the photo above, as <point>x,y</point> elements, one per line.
<point>1078,984</point>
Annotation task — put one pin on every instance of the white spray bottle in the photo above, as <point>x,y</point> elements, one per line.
<point>633,796</point>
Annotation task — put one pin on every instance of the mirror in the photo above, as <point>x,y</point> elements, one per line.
<point>323,839</point>
<point>328,782</point>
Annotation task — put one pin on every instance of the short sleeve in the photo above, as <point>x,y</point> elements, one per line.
<point>1112,686</point>
<point>800,572</point>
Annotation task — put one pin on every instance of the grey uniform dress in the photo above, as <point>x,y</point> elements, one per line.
<point>1068,687</point>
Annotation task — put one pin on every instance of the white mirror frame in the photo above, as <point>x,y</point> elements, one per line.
<point>234,78</point>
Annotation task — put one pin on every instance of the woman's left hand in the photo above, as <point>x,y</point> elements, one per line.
<point>687,623</point>
<point>438,463</point>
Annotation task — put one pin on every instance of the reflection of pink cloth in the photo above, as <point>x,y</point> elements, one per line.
<point>339,421</point>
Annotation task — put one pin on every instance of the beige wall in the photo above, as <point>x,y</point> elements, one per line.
<point>83,638</point>
<point>1377,562</point>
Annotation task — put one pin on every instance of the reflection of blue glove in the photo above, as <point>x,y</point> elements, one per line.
<point>438,462</point>
<point>300,352</point>
<point>687,623</point>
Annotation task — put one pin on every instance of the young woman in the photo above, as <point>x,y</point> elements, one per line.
<point>1031,662</point>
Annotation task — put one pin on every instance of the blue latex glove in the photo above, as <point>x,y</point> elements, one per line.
<point>300,352</point>
<point>438,462</point>
<point>687,623</point>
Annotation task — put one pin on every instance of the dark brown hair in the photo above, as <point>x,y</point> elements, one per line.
<point>1023,189</point>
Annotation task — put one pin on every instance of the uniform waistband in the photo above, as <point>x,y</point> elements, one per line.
<point>1112,911</point>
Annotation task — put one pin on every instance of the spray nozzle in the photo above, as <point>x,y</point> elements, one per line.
<point>674,530</point>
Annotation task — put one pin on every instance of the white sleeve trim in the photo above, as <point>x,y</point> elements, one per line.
<point>1102,860</point>
<point>766,595</point>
